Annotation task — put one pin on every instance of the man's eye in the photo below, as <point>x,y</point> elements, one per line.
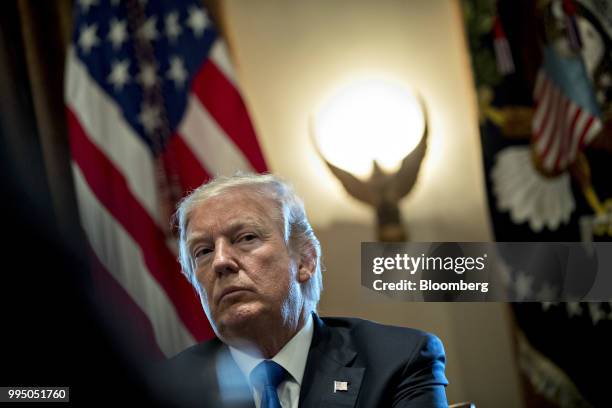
<point>246,237</point>
<point>201,252</point>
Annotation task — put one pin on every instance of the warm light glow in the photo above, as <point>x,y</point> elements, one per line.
<point>366,121</point>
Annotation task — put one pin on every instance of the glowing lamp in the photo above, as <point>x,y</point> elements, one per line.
<point>373,136</point>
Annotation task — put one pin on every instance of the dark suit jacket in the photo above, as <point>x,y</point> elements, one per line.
<point>384,366</point>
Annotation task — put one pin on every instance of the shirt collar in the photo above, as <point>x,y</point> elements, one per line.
<point>292,357</point>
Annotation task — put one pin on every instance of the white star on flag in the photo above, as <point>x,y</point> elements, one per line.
<point>522,286</point>
<point>148,75</point>
<point>573,309</point>
<point>177,71</point>
<point>547,292</point>
<point>546,295</point>
<point>504,272</point>
<point>596,313</point>
<point>149,117</point>
<point>148,30</point>
<point>119,75</point>
<point>548,305</point>
<point>117,33</point>
<point>173,28</point>
<point>197,20</point>
<point>88,38</point>
<point>86,4</point>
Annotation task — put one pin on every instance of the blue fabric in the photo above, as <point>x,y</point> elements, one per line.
<point>265,378</point>
<point>570,74</point>
<point>190,47</point>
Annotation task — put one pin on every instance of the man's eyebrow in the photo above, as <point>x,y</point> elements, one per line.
<point>231,227</point>
<point>247,222</point>
<point>194,238</point>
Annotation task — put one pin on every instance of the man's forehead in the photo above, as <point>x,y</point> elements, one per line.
<point>235,199</point>
<point>231,210</point>
<point>239,195</point>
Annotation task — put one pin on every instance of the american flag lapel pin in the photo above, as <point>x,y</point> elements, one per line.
<point>340,386</point>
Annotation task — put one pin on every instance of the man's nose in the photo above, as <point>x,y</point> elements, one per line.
<point>224,260</point>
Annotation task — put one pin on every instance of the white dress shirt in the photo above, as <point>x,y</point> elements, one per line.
<point>292,358</point>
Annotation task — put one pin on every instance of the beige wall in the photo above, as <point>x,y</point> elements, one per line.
<point>291,56</point>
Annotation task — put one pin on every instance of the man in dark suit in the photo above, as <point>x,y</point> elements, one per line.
<point>247,247</point>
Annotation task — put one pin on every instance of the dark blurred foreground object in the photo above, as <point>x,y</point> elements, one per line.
<point>52,335</point>
<point>543,70</point>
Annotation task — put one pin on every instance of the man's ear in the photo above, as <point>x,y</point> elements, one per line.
<point>307,264</point>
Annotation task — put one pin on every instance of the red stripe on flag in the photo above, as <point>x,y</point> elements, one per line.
<point>547,108</point>
<point>133,325</point>
<point>562,134</point>
<point>180,157</point>
<point>553,134</point>
<point>585,130</point>
<point>568,137</point>
<point>574,120</point>
<point>111,189</point>
<point>225,105</point>
<point>574,135</point>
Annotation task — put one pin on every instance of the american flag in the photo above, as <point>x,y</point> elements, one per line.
<point>153,111</point>
<point>567,114</point>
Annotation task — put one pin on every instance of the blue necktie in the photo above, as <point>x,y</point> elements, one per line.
<point>265,378</point>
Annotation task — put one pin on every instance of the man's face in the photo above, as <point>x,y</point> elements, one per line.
<point>247,275</point>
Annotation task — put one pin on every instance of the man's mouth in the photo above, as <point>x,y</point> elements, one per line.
<point>231,290</point>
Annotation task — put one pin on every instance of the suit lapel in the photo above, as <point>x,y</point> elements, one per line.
<point>329,362</point>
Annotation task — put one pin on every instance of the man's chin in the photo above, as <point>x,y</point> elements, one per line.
<point>238,319</point>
